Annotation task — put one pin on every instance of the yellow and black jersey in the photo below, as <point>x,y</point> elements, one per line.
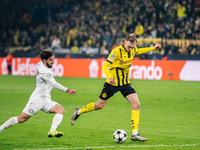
<point>118,64</point>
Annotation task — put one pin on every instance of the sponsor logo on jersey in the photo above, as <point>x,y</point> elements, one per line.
<point>125,62</point>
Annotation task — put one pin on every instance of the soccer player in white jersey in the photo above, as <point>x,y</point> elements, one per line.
<point>40,99</point>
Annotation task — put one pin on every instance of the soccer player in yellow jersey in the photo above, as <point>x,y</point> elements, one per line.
<point>117,69</point>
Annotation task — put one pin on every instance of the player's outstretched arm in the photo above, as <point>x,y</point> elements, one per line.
<point>157,46</point>
<point>148,49</point>
<point>71,91</point>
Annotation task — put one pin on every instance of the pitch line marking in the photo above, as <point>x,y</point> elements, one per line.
<point>95,147</point>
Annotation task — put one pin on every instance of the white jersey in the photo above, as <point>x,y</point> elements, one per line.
<point>40,99</point>
<point>45,81</point>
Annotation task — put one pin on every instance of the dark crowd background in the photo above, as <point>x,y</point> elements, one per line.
<point>92,28</point>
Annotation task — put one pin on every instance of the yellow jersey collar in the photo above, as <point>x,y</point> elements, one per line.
<point>124,47</point>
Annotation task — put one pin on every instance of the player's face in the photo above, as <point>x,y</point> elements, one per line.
<point>129,46</point>
<point>50,61</point>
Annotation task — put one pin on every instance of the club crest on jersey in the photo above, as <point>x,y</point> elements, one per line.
<point>49,75</point>
<point>104,95</point>
<point>31,111</point>
<point>112,56</point>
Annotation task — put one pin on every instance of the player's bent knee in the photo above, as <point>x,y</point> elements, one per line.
<point>22,120</point>
<point>136,106</point>
<point>23,117</point>
<point>62,111</point>
<point>97,107</point>
<point>57,109</point>
<point>100,104</point>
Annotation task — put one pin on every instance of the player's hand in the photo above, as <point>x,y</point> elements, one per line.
<point>71,91</point>
<point>157,45</point>
<point>111,81</point>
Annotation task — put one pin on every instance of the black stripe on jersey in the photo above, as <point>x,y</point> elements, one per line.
<point>126,77</point>
<point>120,52</point>
<point>123,47</point>
<point>122,77</point>
<point>129,54</point>
<point>109,61</point>
<point>117,73</point>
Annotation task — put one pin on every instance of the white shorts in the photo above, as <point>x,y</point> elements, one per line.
<point>36,104</point>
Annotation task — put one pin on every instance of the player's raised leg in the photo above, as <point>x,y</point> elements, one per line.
<point>88,108</point>
<point>14,120</point>
<point>9,123</point>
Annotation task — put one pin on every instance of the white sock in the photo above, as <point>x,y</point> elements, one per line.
<point>57,119</point>
<point>9,123</point>
<point>134,132</point>
<point>79,112</point>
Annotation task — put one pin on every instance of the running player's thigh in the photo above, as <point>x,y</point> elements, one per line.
<point>133,100</point>
<point>33,106</point>
<point>48,105</point>
<point>57,109</point>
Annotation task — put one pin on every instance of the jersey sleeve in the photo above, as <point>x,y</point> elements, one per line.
<point>59,86</point>
<point>105,69</point>
<point>144,50</point>
<point>111,58</point>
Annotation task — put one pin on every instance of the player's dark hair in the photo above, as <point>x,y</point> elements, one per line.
<point>131,37</point>
<point>46,54</point>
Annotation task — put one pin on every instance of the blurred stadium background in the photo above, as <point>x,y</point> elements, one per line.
<point>92,28</point>
<point>82,33</point>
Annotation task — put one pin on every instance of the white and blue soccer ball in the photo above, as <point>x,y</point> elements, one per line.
<point>120,136</point>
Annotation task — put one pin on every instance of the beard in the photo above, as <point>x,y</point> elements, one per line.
<point>49,66</point>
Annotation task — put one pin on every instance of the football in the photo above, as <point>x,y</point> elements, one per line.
<point>120,136</point>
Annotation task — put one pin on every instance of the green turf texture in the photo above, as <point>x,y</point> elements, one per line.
<point>169,115</point>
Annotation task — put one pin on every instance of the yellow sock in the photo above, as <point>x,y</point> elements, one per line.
<point>135,121</point>
<point>89,107</point>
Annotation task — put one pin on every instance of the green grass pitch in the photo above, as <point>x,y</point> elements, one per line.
<point>169,116</point>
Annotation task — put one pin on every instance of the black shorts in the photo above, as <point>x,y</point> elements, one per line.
<point>109,90</point>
